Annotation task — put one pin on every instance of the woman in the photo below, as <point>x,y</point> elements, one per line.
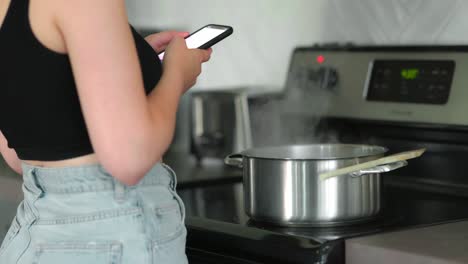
<point>86,113</point>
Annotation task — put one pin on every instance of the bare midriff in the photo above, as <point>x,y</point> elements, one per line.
<point>78,161</point>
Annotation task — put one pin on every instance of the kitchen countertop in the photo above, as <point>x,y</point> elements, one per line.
<point>441,244</point>
<point>210,171</point>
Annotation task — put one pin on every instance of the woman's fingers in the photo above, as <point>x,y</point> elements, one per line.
<point>206,54</point>
<point>159,41</point>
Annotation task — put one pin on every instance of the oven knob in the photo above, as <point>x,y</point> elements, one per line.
<point>329,78</point>
<point>325,78</point>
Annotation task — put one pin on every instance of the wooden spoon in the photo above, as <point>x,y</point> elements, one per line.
<point>373,163</point>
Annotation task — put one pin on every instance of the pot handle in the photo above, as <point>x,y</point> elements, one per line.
<point>234,160</point>
<point>380,169</point>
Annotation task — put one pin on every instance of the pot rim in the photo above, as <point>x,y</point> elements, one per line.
<point>376,150</point>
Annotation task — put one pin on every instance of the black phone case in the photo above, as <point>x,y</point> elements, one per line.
<point>210,43</point>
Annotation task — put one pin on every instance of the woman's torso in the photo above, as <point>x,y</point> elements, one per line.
<point>45,31</point>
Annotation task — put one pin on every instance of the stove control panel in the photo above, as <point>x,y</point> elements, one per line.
<point>323,77</point>
<point>410,81</point>
<point>417,84</point>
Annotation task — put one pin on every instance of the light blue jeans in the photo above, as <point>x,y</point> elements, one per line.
<point>83,215</point>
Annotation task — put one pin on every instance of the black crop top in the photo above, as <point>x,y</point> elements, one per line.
<point>40,113</point>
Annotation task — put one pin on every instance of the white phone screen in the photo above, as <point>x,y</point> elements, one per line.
<point>201,37</point>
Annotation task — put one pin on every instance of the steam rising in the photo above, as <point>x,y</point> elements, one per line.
<point>293,119</point>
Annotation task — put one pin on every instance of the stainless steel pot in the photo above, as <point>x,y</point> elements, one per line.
<point>281,184</point>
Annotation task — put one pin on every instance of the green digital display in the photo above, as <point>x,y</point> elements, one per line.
<point>409,74</point>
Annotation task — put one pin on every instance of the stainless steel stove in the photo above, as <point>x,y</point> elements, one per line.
<point>398,97</point>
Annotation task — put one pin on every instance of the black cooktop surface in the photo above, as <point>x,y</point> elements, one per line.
<point>402,208</point>
<point>216,220</point>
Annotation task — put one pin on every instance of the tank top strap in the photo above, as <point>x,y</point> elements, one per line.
<point>17,17</point>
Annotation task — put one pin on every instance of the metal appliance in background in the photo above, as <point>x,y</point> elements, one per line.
<point>220,123</point>
<point>400,97</point>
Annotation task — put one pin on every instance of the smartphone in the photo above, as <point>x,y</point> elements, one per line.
<point>205,37</point>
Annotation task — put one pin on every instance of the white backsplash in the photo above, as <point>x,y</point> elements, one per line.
<point>266,31</point>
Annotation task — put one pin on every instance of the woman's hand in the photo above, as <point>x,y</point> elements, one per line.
<point>159,41</point>
<point>184,63</point>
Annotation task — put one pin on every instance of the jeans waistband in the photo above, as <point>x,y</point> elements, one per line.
<point>88,178</point>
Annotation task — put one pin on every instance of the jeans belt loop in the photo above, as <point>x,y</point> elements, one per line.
<point>33,184</point>
<point>120,191</point>
<point>31,187</point>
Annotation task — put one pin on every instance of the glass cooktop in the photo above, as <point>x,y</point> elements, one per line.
<point>403,208</point>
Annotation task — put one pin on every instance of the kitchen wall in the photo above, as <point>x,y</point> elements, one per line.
<point>267,30</point>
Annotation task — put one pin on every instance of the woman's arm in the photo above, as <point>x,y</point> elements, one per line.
<point>129,131</point>
<point>9,155</point>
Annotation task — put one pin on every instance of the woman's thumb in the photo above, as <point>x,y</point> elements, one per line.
<point>177,40</point>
